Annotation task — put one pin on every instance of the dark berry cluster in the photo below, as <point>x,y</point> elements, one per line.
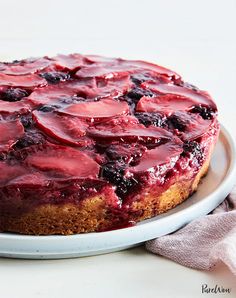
<point>192,147</point>
<point>55,77</point>
<point>205,112</point>
<point>13,94</point>
<point>48,108</point>
<point>130,154</point>
<point>148,119</point>
<point>176,122</point>
<point>114,173</point>
<point>30,138</point>
<point>136,93</point>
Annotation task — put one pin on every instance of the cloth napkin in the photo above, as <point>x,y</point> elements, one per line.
<point>205,241</point>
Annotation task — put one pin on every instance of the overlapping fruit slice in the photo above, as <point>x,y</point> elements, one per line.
<point>107,71</point>
<point>95,110</point>
<point>26,179</point>
<point>152,67</point>
<point>61,92</point>
<point>164,154</point>
<point>127,129</point>
<point>189,126</point>
<point>18,107</point>
<point>116,68</point>
<point>10,132</point>
<point>66,129</point>
<point>10,172</point>
<point>70,62</point>
<point>25,67</point>
<point>197,96</point>
<point>114,87</point>
<point>60,161</point>
<point>26,81</point>
<point>165,104</point>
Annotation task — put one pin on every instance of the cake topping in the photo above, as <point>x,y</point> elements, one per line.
<point>26,81</point>
<point>70,62</point>
<point>9,172</point>
<point>24,67</point>
<point>163,154</point>
<point>13,94</point>
<point>189,126</point>
<point>19,107</point>
<point>106,108</point>
<point>92,117</point>
<point>197,96</point>
<point>62,161</point>
<point>127,129</point>
<point>10,131</point>
<point>54,77</point>
<point>111,68</point>
<point>66,129</point>
<point>166,104</point>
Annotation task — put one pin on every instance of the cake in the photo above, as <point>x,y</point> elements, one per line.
<point>91,144</point>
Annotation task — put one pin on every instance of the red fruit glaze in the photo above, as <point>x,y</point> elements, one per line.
<point>25,67</point>
<point>127,129</point>
<point>195,126</point>
<point>111,68</point>
<point>64,161</point>
<point>165,104</point>
<point>10,131</point>
<point>103,109</point>
<point>70,62</point>
<point>163,154</point>
<point>10,172</point>
<point>66,129</point>
<point>196,96</point>
<point>18,107</point>
<point>26,81</point>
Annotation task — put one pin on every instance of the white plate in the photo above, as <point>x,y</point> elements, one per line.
<point>211,192</point>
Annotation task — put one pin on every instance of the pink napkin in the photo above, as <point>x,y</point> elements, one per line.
<point>205,241</point>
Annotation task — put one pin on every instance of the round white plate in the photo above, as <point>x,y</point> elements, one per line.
<point>211,192</point>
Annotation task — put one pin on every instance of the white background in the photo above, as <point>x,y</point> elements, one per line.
<point>195,38</point>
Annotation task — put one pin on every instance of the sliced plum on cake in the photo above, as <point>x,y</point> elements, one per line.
<point>10,172</point>
<point>164,155</point>
<point>64,128</point>
<point>71,62</point>
<point>97,110</point>
<point>16,108</point>
<point>25,66</point>
<point>127,153</point>
<point>26,81</point>
<point>165,104</point>
<point>188,126</point>
<point>128,129</point>
<point>10,132</point>
<point>198,97</point>
<point>50,95</point>
<point>60,161</point>
<point>113,67</point>
<point>63,93</point>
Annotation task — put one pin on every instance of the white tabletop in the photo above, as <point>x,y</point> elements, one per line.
<point>196,39</point>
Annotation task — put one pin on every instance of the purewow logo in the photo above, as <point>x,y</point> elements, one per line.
<point>215,290</point>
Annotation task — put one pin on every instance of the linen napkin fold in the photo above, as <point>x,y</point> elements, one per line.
<point>205,241</point>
